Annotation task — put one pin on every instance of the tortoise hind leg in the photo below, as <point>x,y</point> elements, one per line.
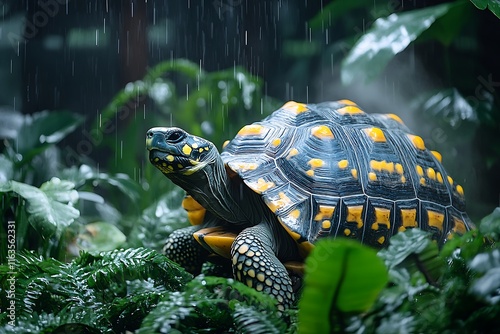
<point>255,264</point>
<point>182,248</point>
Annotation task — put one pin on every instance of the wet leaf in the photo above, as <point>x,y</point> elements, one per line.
<point>402,245</point>
<point>488,285</point>
<point>490,225</point>
<point>341,276</point>
<point>50,207</point>
<point>388,37</point>
<point>493,5</point>
<point>100,237</point>
<point>6,169</point>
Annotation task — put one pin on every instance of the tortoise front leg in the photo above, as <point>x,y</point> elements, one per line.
<point>255,264</point>
<point>182,248</point>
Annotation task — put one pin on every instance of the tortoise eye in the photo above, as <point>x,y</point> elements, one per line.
<point>175,136</point>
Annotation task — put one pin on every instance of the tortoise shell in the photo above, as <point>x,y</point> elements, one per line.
<point>330,169</point>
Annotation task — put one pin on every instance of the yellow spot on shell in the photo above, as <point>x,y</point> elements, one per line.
<point>460,190</point>
<point>261,185</point>
<point>276,142</point>
<point>419,170</point>
<point>372,176</point>
<point>403,179</point>
<point>295,214</point>
<point>186,149</point>
<point>436,219</point>
<point>381,217</point>
<point>347,232</point>
<point>351,109</point>
<point>225,144</point>
<point>326,224</point>
<point>375,134</point>
<point>395,117</point>
<point>354,173</point>
<point>295,107</point>
<point>437,155</point>
<point>310,173</point>
<point>279,203</point>
<point>324,212</point>
<point>293,152</point>
<point>381,240</point>
<point>439,177</point>
<point>408,219</point>
<point>431,173</point>
<point>170,158</point>
<point>450,180</point>
<point>347,102</point>
<point>459,226</point>
<point>417,141</point>
<point>399,168</point>
<point>382,166</point>
<point>354,214</point>
<point>243,166</point>
<point>422,181</point>
<point>343,164</point>
<point>322,132</point>
<point>316,163</point>
<point>251,130</point>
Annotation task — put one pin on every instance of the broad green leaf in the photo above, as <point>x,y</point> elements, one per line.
<point>50,207</point>
<point>100,237</point>
<point>402,245</point>
<point>388,37</point>
<point>43,128</point>
<point>488,285</point>
<point>341,276</point>
<point>490,225</point>
<point>493,5</point>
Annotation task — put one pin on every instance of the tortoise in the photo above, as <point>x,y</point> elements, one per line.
<point>305,172</point>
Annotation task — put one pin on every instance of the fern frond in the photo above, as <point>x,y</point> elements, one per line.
<point>249,320</point>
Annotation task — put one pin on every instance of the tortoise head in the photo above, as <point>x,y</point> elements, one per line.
<point>174,151</point>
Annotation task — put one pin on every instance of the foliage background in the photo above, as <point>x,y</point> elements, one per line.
<point>82,81</point>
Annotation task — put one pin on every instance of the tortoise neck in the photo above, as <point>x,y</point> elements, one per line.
<point>227,198</point>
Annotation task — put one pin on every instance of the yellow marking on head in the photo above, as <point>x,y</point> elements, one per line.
<point>294,107</point>
<point>225,144</point>
<point>450,180</point>
<point>315,163</point>
<point>438,156</point>
<point>351,109</point>
<point>200,149</point>
<point>343,164</point>
<point>346,102</point>
<point>195,145</point>
<point>251,130</point>
<point>354,215</point>
<point>347,232</point>
<point>422,181</point>
<point>354,173</point>
<point>180,166</point>
<point>403,179</point>
<point>310,173</point>
<point>170,158</point>
<point>156,159</point>
<point>295,214</point>
<point>417,141</point>
<point>164,164</point>
<point>395,117</point>
<point>372,176</point>
<point>322,132</point>
<point>399,168</point>
<point>293,152</point>
<point>419,170</point>
<point>326,224</point>
<point>375,134</point>
<point>279,203</point>
<point>381,240</point>
<point>261,185</point>
<point>436,219</point>
<point>408,218</point>
<point>276,142</point>
<point>460,190</point>
<point>382,217</point>
<point>324,212</point>
<point>186,149</point>
<point>439,177</point>
<point>431,173</point>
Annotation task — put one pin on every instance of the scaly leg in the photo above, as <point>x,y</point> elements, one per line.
<point>182,248</point>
